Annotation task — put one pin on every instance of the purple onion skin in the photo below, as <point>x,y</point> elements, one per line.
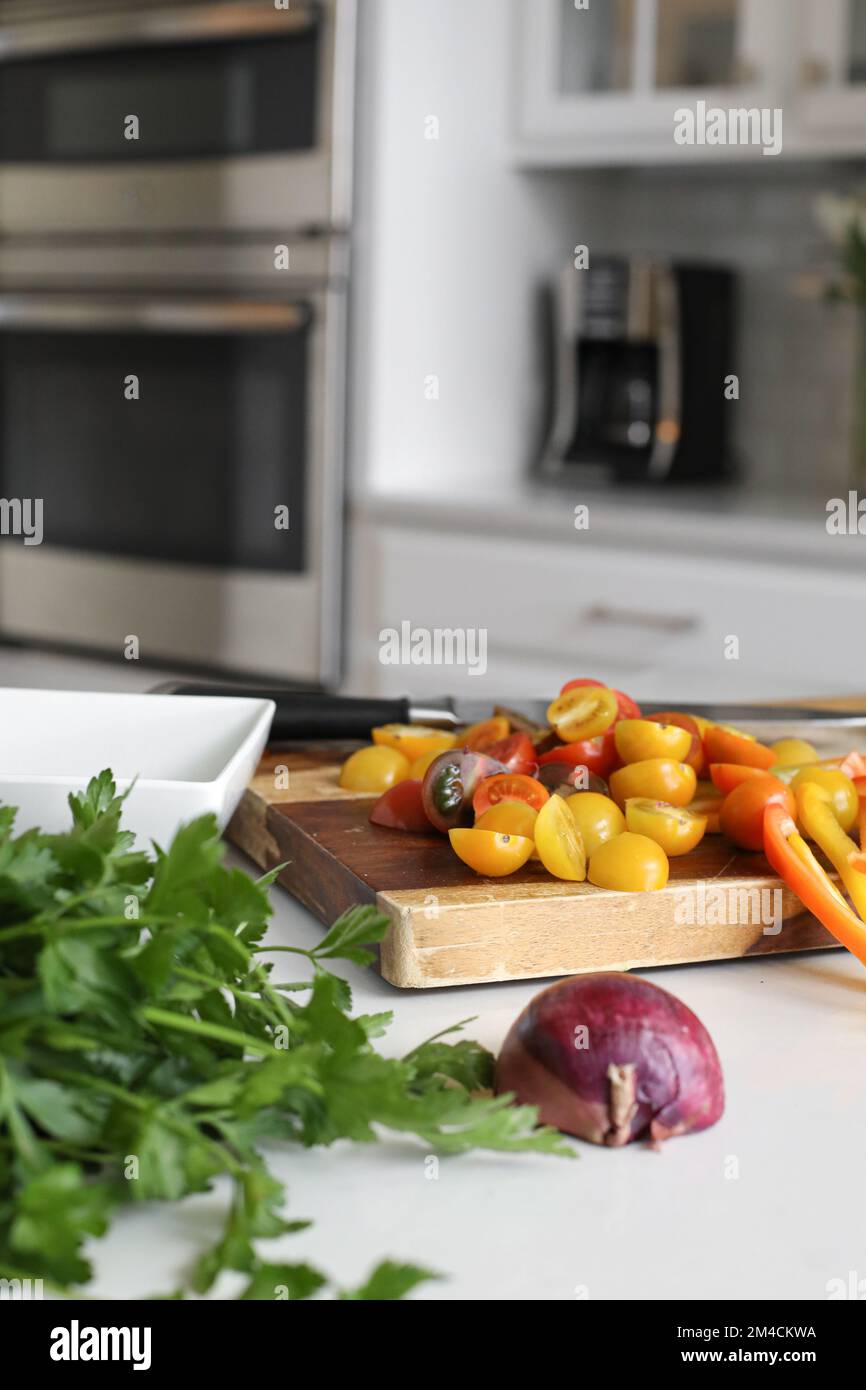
<point>647,1068</point>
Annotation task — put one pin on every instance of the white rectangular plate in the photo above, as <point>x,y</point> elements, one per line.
<point>185,754</point>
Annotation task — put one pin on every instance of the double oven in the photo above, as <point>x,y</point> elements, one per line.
<point>175,217</point>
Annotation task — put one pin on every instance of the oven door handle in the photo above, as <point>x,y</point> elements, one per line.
<point>100,313</point>
<point>168,24</point>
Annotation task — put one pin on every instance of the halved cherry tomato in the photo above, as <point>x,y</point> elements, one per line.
<point>582,712</point>
<point>401,808</point>
<point>373,770</point>
<point>597,817</point>
<point>509,786</point>
<point>517,753</point>
<point>413,740</point>
<point>510,818</point>
<point>675,828</point>
<point>629,863</point>
<point>626,706</point>
<point>794,862</point>
<point>565,779</point>
<point>490,853</point>
<point>598,755</point>
<point>792,752</point>
<point>843,793</point>
<point>695,756</point>
<point>449,785</point>
<point>723,745</point>
<point>639,739</point>
<point>726,776</point>
<point>559,843</point>
<point>479,736</point>
<point>742,813</point>
<point>661,779</point>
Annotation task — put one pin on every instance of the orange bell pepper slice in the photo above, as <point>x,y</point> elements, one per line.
<point>794,862</point>
<point>723,745</point>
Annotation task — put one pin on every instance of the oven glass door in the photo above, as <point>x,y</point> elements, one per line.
<point>183,452</point>
<point>171,430</point>
<point>129,103</point>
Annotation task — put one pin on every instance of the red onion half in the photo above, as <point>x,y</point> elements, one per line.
<point>612,1058</point>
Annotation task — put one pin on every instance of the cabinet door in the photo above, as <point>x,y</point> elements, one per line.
<point>832,103</point>
<point>601,80</point>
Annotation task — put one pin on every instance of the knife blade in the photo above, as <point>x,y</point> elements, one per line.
<point>316,714</point>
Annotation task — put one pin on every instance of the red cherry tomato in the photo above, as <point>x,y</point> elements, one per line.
<point>626,706</point>
<point>598,755</point>
<point>509,786</point>
<point>742,813</point>
<point>517,753</point>
<point>401,808</point>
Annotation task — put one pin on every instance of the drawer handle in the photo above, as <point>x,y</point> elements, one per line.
<point>634,617</point>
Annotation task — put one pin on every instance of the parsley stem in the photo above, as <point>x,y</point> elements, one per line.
<point>182,1023</point>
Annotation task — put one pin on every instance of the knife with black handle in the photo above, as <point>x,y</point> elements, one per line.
<point>314,714</point>
<point>317,714</point>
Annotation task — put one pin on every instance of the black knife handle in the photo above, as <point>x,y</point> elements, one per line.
<point>312,714</point>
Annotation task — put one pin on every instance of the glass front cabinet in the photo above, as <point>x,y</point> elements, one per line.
<point>601,80</point>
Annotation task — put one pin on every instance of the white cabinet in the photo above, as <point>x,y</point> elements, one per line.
<point>666,626</point>
<point>601,80</point>
<point>831,109</point>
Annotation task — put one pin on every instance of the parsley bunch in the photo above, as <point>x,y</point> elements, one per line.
<point>146,1048</point>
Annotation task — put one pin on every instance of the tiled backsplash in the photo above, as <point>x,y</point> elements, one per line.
<point>797,353</point>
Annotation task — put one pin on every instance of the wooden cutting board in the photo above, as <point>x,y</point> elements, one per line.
<point>449,927</point>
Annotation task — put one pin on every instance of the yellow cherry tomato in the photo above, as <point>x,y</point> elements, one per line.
<point>511,818</point>
<point>846,803</point>
<point>373,770</point>
<point>420,765</point>
<point>639,739</point>
<point>559,842</point>
<point>598,818</point>
<point>660,779</point>
<point>414,740</point>
<point>790,752</point>
<point>489,853</point>
<point>674,828</point>
<point>629,863</point>
<point>582,712</point>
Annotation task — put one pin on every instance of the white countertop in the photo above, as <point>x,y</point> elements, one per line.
<point>728,521</point>
<point>628,1223</point>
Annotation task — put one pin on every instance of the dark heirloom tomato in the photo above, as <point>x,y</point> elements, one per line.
<point>449,785</point>
<point>401,808</point>
<point>567,778</point>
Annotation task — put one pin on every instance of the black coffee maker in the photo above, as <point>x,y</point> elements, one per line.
<point>644,357</point>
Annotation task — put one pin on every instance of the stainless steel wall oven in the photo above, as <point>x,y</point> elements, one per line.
<point>175,201</point>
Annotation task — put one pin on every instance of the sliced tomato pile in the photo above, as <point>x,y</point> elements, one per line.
<point>608,795</point>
